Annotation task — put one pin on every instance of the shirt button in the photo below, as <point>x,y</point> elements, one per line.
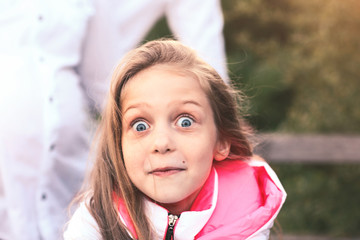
<point>40,17</point>
<point>52,147</point>
<point>51,99</point>
<point>43,196</point>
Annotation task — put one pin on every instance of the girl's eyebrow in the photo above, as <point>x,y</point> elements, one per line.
<point>191,102</point>
<point>146,105</point>
<point>136,105</point>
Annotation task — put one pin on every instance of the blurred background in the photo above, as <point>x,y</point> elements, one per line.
<point>299,64</point>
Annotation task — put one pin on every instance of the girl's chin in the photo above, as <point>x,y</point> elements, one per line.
<point>177,206</point>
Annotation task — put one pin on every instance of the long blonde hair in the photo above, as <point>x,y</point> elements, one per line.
<point>109,176</point>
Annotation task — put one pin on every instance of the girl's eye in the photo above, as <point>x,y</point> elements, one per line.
<point>140,126</point>
<point>184,122</point>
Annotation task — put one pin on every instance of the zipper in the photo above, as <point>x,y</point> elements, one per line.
<point>170,230</point>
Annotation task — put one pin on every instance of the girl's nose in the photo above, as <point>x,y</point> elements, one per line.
<point>162,142</point>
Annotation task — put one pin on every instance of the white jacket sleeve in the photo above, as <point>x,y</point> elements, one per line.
<point>82,226</point>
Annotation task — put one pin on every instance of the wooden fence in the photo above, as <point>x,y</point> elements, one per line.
<point>309,148</point>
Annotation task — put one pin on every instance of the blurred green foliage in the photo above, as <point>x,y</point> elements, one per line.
<point>299,60</point>
<point>322,199</point>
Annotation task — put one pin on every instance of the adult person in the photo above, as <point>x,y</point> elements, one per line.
<point>56,55</point>
<point>44,135</point>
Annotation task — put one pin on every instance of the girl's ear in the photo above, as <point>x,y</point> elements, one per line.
<point>222,150</point>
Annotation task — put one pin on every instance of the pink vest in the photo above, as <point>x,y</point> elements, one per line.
<point>238,201</point>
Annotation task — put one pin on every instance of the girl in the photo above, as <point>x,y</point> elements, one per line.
<point>173,157</point>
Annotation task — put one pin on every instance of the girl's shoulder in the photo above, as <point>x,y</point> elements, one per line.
<point>82,225</point>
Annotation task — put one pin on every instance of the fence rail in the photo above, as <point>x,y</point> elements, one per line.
<point>309,148</point>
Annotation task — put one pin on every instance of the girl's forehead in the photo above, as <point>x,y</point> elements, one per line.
<point>168,68</point>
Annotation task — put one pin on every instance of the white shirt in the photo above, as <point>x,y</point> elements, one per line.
<point>44,123</point>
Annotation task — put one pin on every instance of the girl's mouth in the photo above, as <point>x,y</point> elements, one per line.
<point>167,171</point>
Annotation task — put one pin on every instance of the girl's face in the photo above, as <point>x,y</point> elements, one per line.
<point>169,136</point>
